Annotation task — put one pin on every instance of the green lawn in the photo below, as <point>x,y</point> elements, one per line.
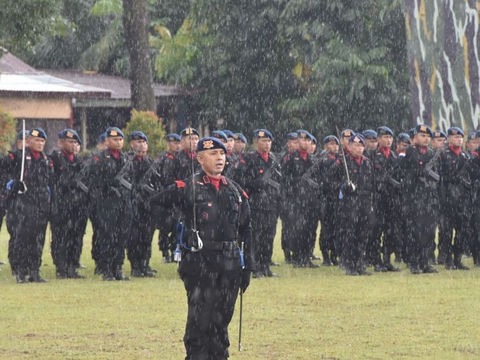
<point>305,314</point>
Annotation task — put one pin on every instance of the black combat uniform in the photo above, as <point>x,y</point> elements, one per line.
<point>261,180</point>
<point>69,213</point>
<point>139,247</point>
<point>455,204</point>
<point>113,208</point>
<point>386,209</point>
<point>354,217</point>
<point>420,192</point>
<point>298,195</point>
<point>28,213</point>
<point>213,275</point>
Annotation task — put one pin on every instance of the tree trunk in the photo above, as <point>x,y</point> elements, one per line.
<point>135,23</point>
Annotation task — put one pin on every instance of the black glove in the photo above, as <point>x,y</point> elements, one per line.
<point>246,275</point>
<point>18,186</point>
<point>259,184</point>
<point>349,188</point>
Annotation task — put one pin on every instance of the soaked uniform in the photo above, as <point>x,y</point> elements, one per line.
<point>455,203</point>
<point>113,207</point>
<point>420,192</point>
<point>69,213</point>
<point>139,247</point>
<point>259,174</point>
<point>213,275</point>
<point>355,213</point>
<point>28,213</point>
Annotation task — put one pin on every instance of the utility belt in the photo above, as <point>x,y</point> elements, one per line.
<point>220,245</point>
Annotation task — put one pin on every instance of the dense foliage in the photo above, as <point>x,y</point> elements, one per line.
<point>148,123</point>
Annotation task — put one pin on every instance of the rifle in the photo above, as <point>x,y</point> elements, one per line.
<point>344,159</point>
<point>80,184</point>
<point>431,163</point>
<point>267,176</point>
<point>23,161</point>
<point>121,174</point>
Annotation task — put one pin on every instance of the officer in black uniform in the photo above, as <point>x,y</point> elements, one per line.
<point>354,218</point>
<point>239,145</point>
<point>327,198</point>
<point>399,217</point>
<point>472,144</point>
<point>371,142</point>
<point>384,160</point>
<point>298,197</point>
<point>420,192</point>
<point>211,267</point>
<point>259,174</point>
<point>69,206</point>
<point>139,247</point>
<point>110,172</point>
<point>153,182</point>
<point>28,205</point>
<point>285,211</point>
<point>455,199</point>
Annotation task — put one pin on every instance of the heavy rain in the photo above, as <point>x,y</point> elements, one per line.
<point>203,180</point>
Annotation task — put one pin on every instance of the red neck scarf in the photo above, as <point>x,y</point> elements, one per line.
<point>35,154</point>
<point>263,155</point>
<point>358,160</point>
<point>229,153</point>
<point>422,149</point>
<point>303,154</point>
<point>115,153</point>
<point>215,182</point>
<point>140,158</point>
<point>191,154</point>
<point>385,151</point>
<point>68,156</point>
<point>332,156</point>
<point>456,150</point>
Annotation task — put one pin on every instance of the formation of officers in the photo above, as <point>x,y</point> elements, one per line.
<point>375,202</point>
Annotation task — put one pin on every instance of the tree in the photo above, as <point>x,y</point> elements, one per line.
<point>7,131</point>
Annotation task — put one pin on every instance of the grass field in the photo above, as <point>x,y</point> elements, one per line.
<point>305,314</point>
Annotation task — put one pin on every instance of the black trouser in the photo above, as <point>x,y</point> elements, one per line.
<point>68,228</point>
<point>264,224</point>
<point>287,216</point>
<point>354,223</point>
<point>114,217</point>
<point>456,218</point>
<point>12,221</point>
<point>385,225</point>
<point>211,298</point>
<point>421,225</point>
<point>444,237</point>
<point>475,221</point>
<point>139,249</point>
<point>301,226</point>
<point>312,226</point>
<point>166,239</point>
<point>28,221</point>
<point>327,231</point>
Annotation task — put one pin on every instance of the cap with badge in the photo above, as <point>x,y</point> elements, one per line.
<point>114,131</point>
<point>384,130</point>
<point>292,136</point>
<point>262,133</point>
<point>439,134</point>
<point>189,131</point>
<point>304,134</point>
<point>314,139</point>
<point>369,134</point>
<point>455,131</point>
<point>241,137</point>
<point>137,135</point>
<point>331,138</point>
<point>471,136</point>
<point>424,129</point>
<point>412,132</point>
<point>219,134</point>
<point>210,143</point>
<point>102,137</point>
<point>357,139</point>
<point>173,137</point>
<point>403,137</point>
<point>347,133</point>
<point>20,134</point>
<point>229,134</point>
<point>38,132</point>
<point>68,134</point>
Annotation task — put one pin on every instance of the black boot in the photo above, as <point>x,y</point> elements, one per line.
<point>288,257</point>
<point>392,268</point>
<point>458,262</point>
<point>73,274</point>
<point>107,272</point>
<point>62,273</point>
<point>34,276</point>
<point>119,274</point>
<point>144,269</point>
<point>20,276</point>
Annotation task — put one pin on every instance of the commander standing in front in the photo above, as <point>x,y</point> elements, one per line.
<point>215,221</point>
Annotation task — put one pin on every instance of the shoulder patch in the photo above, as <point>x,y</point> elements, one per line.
<point>180,184</point>
<point>244,193</point>
<point>243,161</point>
<point>96,158</point>
<point>11,156</point>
